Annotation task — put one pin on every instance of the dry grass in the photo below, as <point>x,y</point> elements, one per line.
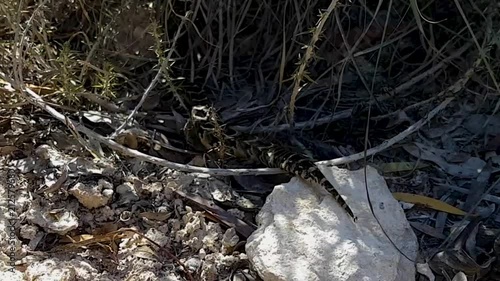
<point>304,60</point>
<point>268,65</point>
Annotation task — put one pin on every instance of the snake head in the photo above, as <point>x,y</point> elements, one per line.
<point>204,117</point>
<point>201,128</point>
<point>200,113</point>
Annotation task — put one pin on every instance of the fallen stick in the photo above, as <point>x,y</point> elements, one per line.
<point>38,101</point>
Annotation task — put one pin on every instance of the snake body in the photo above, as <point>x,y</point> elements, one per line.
<point>203,131</point>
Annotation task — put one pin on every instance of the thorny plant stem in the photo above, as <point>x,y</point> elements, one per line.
<point>153,83</point>
<point>309,53</point>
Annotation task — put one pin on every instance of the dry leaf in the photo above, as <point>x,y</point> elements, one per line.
<point>439,131</point>
<point>468,169</point>
<point>78,238</point>
<point>453,256</point>
<point>146,252</point>
<point>217,213</point>
<point>401,166</point>
<point>427,229</point>
<point>58,184</point>
<point>127,139</point>
<point>475,122</point>
<point>428,202</point>
<point>424,269</point>
<point>400,118</point>
<point>6,150</point>
<point>155,216</point>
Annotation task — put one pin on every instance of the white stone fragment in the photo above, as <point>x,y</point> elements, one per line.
<point>93,196</point>
<point>304,234</point>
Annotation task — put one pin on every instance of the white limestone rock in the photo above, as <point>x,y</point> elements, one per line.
<point>93,196</point>
<point>304,234</point>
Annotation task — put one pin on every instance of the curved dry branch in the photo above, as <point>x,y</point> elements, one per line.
<point>38,101</point>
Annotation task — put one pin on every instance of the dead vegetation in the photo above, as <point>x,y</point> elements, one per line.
<point>102,80</point>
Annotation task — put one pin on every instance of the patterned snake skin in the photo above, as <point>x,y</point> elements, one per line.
<point>203,132</point>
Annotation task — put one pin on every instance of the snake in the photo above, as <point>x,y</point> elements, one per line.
<point>204,131</point>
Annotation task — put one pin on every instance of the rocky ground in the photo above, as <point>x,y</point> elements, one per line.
<point>398,102</point>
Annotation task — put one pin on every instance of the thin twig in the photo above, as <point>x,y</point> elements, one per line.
<point>467,217</point>
<point>487,197</point>
<point>163,66</point>
<point>300,125</point>
<point>110,106</point>
<point>399,91</point>
<point>388,143</point>
<point>455,88</point>
<point>412,82</point>
<point>38,101</point>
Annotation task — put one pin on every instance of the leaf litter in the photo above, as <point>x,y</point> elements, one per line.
<point>74,195</point>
